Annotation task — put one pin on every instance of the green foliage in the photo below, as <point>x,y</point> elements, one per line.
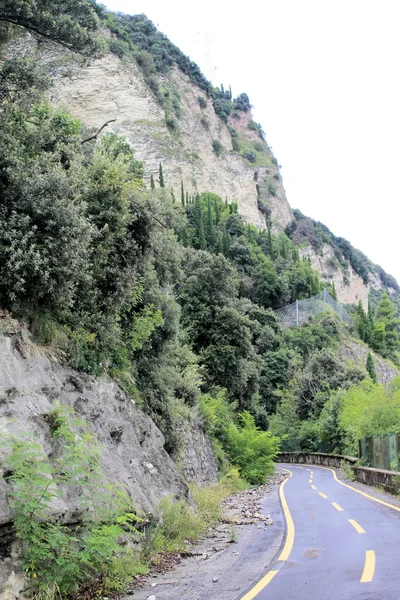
<point>71,23</point>
<point>370,366</point>
<point>161,176</point>
<point>176,523</point>
<point>55,556</point>
<point>304,229</point>
<point>253,451</point>
<point>248,448</point>
<point>140,38</point>
<point>369,409</point>
<point>217,147</point>
<point>386,339</point>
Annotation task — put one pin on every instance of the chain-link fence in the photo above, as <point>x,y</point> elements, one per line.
<point>301,310</point>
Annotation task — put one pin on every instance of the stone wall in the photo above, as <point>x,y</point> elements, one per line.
<point>367,475</point>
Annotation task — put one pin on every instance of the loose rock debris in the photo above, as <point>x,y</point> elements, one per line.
<point>239,510</point>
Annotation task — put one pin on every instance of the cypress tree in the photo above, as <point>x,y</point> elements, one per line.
<point>333,291</point>
<point>386,313</point>
<point>161,176</point>
<point>270,244</point>
<point>202,236</point>
<point>152,184</point>
<point>371,367</point>
<point>220,243</point>
<point>226,242</point>
<point>173,196</point>
<point>210,226</point>
<point>187,198</point>
<point>182,194</point>
<point>216,210</point>
<point>283,249</point>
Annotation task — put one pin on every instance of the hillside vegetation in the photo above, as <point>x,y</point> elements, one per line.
<point>172,297</point>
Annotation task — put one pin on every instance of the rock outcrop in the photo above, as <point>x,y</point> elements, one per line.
<point>131,445</point>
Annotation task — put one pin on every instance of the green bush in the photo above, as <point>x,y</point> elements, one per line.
<point>56,557</point>
<point>202,101</point>
<point>217,147</point>
<point>253,451</point>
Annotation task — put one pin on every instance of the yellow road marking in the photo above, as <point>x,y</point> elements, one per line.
<point>313,487</point>
<point>339,508</point>
<point>369,567</point>
<point>356,526</point>
<point>310,481</point>
<point>322,495</point>
<point>260,585</point>
<point>287,548</point>
<point>361,492</point>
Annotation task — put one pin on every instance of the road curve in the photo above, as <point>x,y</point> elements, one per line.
<point>340,544</point>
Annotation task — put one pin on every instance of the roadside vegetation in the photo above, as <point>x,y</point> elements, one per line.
<point>172,298</point>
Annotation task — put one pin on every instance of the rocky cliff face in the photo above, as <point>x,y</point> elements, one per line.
<point>350,287</point>
<point>112,89</point>
<point>182,140</point>
<point>132,451</point>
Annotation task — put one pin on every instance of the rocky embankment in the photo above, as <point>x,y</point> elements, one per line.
<point>132,447</point>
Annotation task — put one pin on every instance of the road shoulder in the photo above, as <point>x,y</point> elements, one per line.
<point>217,568</point>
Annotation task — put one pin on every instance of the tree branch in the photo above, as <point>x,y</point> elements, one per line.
<point>94,137</point>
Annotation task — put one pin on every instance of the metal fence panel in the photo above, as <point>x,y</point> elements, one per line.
<point>381,451</point>
<point>302,310</point>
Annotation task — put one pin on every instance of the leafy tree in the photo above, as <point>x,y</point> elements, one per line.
<point>71,23</point>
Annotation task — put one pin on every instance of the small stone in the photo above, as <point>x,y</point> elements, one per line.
<point>151,598</point>
<point>214,580</point>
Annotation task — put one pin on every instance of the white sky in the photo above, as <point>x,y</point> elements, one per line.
<point>323,76</point>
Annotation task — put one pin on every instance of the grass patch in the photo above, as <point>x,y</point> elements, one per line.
<point>177,523</point>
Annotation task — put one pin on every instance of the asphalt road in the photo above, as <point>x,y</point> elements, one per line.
<point>340,545</point>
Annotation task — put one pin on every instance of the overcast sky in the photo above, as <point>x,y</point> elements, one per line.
<point>323,77</point>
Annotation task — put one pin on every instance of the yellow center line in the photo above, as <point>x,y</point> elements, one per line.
<point>356,526</point>
<point>287,548</point>
<point>361,492</point>
<point>310,481</point>
<point>322,495</point>
<point>369,567</point>
<point>339,508</point>
<point>313,487</point>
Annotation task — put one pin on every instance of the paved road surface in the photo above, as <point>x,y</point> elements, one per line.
<point>340,544</point>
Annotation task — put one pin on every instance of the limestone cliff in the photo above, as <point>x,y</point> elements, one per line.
<point>173,121</point>
<point>113,89</point>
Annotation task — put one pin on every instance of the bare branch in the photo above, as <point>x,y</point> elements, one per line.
<point>94,137</point>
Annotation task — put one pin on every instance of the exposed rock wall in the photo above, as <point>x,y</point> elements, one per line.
<point>131,445</point>
<point>198,459</point>
<point>350,287</point>
<point>112,89</point>
<point>357,351</point>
